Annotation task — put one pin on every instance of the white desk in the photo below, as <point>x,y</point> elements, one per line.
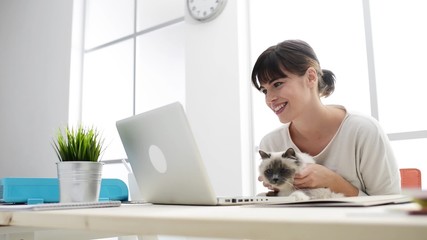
<point>33,233</point>
<point>385,222</point>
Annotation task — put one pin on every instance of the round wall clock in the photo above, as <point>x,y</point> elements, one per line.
<point>205,10</point>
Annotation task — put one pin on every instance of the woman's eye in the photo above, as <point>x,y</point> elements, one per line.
<point>277,84</point>
<point>263,90</point>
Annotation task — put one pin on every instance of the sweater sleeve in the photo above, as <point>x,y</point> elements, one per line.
<point>377,168</point>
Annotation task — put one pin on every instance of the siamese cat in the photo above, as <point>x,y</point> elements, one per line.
<point>279,168</point>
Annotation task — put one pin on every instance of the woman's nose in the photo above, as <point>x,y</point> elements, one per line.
<point>270,97</point>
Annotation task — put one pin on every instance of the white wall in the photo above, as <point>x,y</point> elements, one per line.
<point>217,98</point>
<point>34,81</point>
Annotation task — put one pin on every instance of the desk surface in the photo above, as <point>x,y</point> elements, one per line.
<point>250,222</point>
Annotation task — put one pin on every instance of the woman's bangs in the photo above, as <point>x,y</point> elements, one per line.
<point>271,70</point>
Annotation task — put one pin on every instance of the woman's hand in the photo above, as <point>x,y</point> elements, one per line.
<point>314,176</point>
<point>318,176</point>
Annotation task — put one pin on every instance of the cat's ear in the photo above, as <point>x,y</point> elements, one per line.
<point>290,153</point>
<point>263,154</point>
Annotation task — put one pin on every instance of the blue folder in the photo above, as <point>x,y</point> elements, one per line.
<point>46,190</point>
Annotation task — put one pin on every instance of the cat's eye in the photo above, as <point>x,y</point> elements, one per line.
<point>284,171</point>
<point>268,172</point>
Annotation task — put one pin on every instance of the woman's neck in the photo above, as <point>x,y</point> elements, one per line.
<point>313,131</point>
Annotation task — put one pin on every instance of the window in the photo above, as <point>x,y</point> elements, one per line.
<point>160,68</point>
<point>129,65</point>
<point>400,50</point>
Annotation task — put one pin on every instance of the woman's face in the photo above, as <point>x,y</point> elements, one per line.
<point>288,96</point>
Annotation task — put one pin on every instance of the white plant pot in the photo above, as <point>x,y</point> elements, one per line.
<point>79,181</point>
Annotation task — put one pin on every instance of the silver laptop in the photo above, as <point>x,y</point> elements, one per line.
<point>166,161</point>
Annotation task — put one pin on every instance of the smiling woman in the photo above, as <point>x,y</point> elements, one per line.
<point>365,84</point>
<point>344,145</point>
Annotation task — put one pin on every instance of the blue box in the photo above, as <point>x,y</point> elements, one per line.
<point>46,190</point>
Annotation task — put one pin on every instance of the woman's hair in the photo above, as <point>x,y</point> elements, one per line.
<point>294,56</point>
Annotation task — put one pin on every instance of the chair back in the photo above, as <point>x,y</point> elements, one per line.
<point>410,178</point>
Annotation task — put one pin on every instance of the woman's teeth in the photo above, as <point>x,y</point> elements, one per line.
<point>279,107</point>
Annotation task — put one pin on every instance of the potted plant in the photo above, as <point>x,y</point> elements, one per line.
<point>79,169</point>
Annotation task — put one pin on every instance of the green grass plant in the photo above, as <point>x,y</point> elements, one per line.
<point>80,144</point>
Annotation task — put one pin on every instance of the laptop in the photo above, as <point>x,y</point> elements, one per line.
<point>167,163</point>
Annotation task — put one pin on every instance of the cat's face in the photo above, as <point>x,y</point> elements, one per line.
<point>279,168</point>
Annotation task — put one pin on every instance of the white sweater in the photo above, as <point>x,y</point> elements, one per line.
<point>360,152</point>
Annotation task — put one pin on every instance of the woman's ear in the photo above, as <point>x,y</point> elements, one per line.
<point>312,76</point>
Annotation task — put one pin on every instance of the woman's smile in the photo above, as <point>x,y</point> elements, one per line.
<point>278,109</point>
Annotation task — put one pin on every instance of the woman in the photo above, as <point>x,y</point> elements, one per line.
<point>352,153</point>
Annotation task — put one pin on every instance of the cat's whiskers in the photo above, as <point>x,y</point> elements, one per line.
<point>291,185</point>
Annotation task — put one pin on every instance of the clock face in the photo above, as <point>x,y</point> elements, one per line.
<point>205,10</point>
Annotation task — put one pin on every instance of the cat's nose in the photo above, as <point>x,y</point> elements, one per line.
<point>275,179</point>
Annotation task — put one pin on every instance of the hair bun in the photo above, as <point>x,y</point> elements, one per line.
<point>327,85</point>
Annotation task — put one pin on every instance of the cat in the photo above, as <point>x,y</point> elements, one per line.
<point>279,168</point>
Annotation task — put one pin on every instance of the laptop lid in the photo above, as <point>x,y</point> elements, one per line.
<point>165,158</point>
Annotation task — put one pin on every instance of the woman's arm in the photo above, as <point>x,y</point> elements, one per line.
<point>318,176</point>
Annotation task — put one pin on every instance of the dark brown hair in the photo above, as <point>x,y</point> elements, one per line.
<point>294,56</point>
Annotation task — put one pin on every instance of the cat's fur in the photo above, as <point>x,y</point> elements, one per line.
<point>279,168</point>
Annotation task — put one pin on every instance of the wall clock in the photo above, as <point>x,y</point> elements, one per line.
<point>205,10</point>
